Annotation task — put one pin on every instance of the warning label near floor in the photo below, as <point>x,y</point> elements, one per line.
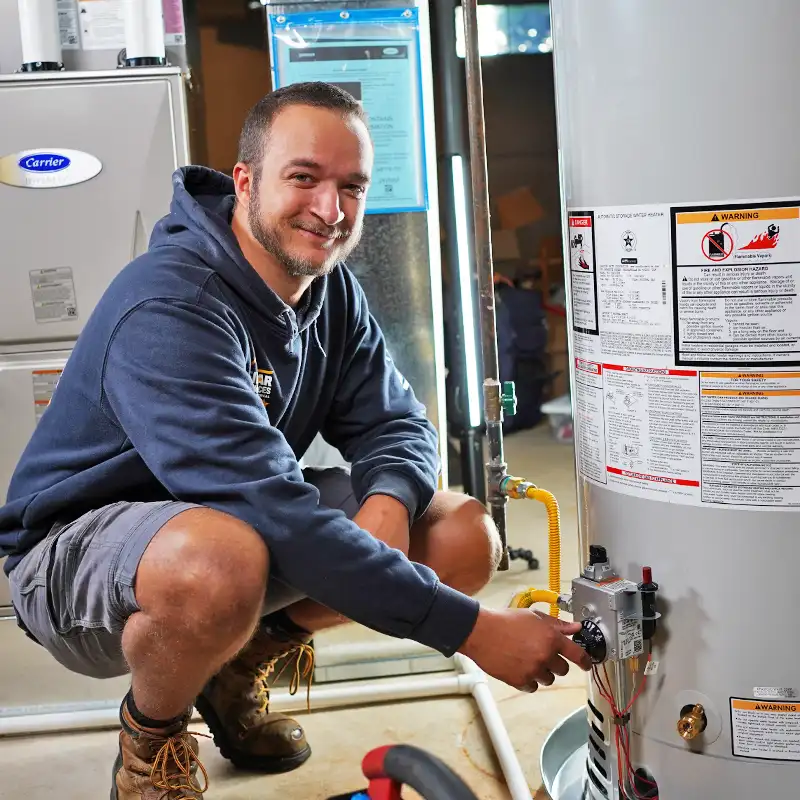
<point>736,271</point>
<point>44,386</point>
<point>765,729</point>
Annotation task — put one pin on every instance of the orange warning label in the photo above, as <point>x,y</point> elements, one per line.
<point>765,730</point>
<point>751,393</point>
<point>759,376</point>
<point>761,705</point>
<point>739,215</point>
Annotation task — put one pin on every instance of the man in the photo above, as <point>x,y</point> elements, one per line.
<point>161,494</point>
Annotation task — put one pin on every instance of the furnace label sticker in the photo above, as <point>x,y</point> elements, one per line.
<point>174,25</point>
<point>102,24</point>
<point>68,24</point>
<point>765,730</point>
<point>53,294</point>
<point>634,284</point>
<point>582,272</point>
<point>736,276</point>
<point>45,382</point>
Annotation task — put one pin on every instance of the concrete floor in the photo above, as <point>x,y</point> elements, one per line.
<point>78,766</point>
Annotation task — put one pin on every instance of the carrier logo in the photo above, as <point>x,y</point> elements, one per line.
<point>44,162</point>
<point>48,168</point>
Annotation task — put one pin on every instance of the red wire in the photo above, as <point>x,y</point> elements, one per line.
<point>621,735</point>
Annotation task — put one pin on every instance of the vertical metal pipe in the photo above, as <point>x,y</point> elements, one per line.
<point>453,156</point>
<point>493,411</point>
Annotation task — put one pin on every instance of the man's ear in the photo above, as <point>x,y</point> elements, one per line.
<point>243,182</point>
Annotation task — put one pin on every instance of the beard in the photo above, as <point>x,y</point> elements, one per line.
<point>297,266</point>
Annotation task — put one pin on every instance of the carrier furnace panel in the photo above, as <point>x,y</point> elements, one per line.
<point>86,161</point>
<point>114,139</point>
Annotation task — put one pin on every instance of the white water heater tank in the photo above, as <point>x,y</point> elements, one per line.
<point>679,131</point>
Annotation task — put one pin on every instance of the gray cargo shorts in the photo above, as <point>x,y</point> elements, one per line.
<point>74,590</point>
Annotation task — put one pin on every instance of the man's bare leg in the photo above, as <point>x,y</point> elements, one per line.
<point>456,538</point>
<point>200,586</point>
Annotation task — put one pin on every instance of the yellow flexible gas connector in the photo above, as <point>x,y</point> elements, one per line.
<point>531,596</point>
<point>518,488</point>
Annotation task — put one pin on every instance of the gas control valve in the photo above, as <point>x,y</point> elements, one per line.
<point>616,615</point>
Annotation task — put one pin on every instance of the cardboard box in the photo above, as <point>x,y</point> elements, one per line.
<point>518,208</point>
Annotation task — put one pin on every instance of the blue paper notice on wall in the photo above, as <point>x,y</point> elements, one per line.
<point>375,55</point>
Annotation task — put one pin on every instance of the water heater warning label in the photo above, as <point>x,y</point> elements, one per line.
<point>582,272</point>
<point>736,278</point>
<point>765,729</point>
<point>688,388</point>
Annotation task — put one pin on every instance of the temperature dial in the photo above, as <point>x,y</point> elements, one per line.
<point>591,639</point>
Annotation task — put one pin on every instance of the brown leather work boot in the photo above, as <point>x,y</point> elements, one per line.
<point>235,704</point>
<point>156,766</point>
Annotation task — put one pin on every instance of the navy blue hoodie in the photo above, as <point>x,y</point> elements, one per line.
<point>192,380</point>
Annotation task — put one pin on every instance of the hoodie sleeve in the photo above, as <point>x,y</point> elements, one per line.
<point>378,424</point>
<point>175,380</point>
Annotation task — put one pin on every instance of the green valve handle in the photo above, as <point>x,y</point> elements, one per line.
<point>508,399</point>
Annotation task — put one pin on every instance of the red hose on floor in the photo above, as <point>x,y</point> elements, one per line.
<point>391,767</point>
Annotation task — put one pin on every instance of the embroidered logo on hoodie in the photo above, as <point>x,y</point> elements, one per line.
<point>263,384</point>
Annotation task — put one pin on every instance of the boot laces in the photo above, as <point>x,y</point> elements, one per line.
<point>300,658</point>
<point>172,769</point>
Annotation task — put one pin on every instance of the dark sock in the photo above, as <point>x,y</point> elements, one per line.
<point>281,621</point>
<point>147,722</point>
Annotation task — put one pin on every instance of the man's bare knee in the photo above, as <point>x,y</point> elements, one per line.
<point>459,540</point>
<point>206,569</point>
<point>481,538</point>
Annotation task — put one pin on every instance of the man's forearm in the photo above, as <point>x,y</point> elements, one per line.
<point>386,519</point>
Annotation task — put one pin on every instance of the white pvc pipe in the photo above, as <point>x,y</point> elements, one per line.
<point>346,694</point>
<point>39,31</point>
<point>329,655</point>
<point>495,727</point>
<point>144,29</point>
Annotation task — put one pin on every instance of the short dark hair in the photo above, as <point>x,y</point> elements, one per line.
<point>260,117</point>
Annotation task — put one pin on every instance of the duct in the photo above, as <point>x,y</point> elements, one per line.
<point>144,33</point>
<point>40,36</point>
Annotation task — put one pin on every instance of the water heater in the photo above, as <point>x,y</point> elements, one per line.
<point>678,126</point>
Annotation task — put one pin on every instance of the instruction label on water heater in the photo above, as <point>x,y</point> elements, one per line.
<point>766,730</point>
<point>686,338</point>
